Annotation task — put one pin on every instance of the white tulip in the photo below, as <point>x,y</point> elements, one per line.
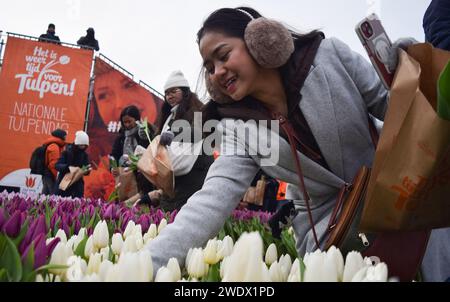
<point>197,267</point>
<point>101,235</point>
<point>162,225</point>
<point>129,246</point>
<point>275,272</point>
<point>71,242</point>
<point>74,273</point>
<point>223,265</point>
<point>82,233</point>
<point>188,257</point>
<point>146,266</point>
<point>360,275</point>
<point>94,263</point>
<point>61,235</point>
<point>271,254</point>
<point>89,248</point>
<point>59,257</point>
<point>353,263</point>
<point>245,263</point>
<point>112,274</point>
<point>116,243</point>
<point>318,268</point>
<point>210,252</point>
<point>285,263</point>
<point>91,278</point>
<point>377,273</point>
<point>164,275</point>
<point>139,240</point>
<point>174,267</point>
<point>226,247</point>
<point>105,266</point>
<point>129,230</point>
<point>294,274</point>
<point>334,256</point>
<point>105,253</point>
<point>152,231</point>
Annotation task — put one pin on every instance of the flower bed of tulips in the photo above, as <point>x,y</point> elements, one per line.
<point>62,239</point>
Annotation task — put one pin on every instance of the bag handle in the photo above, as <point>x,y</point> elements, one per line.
<point>289,130</point>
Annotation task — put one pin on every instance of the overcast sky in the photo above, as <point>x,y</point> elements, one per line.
<point>153,37</point>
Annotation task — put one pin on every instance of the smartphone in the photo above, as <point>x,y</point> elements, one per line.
<point>377,44</point>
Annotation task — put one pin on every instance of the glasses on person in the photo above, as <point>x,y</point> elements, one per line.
<point>172,91</point>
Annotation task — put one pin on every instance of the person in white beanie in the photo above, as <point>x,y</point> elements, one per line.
<point>74,156</point>
<point>189,169</point>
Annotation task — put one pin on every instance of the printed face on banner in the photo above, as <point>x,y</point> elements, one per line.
<point>113,91</point>
<point>43,86</point>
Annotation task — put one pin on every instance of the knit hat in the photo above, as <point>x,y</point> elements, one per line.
<point>59,133</point>
<point>176,79</point>
<point>81,138</point>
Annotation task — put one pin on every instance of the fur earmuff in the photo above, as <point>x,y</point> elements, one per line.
<point>269,42</point>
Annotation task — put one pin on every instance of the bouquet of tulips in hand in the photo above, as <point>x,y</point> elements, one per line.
<point>74,175</point>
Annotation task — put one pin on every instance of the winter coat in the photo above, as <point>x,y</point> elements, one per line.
<point>55,146</point>
<point>88,41</point>
<point>117,149</point>
<point>436,24</point>
<point>338,93</point>
<point>72,156</point>
<point>189,169</point>
<point>49,37</point>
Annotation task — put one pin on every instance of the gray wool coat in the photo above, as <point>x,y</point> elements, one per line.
<point>339,92</point>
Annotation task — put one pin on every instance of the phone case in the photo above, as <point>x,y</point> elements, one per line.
<point>377,44</point>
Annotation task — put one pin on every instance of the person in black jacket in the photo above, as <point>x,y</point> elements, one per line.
<point>89,40</point>
<point>436,24</point>
<point>50,35</point>
<point>74,156</point>
<point>129,135</point>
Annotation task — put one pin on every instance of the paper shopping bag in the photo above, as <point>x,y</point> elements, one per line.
<point>409,186</point>
<point>155,165</point>
<point>75,174</point>
<point>126,184</point>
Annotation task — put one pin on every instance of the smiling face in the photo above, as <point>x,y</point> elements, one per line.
<point>229,66</point>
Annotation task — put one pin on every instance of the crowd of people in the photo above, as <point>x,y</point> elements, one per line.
<point>318,85</point>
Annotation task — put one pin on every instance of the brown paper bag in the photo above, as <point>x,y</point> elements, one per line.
<point>255,195</point>
<point>156,166</point>
<point>409,186</point>
<point>126,184</point>
<point>70,178</point>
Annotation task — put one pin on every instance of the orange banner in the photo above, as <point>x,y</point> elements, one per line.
<point>113,91</point>
<point>43,86</point>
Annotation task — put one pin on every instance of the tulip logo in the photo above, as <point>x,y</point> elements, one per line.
<point>30,182</point>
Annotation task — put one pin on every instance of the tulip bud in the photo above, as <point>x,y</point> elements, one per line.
<point>377,273</point>
<point>285,264</point>
<point>89,249</point>
<point>105,266</point>
<point>197,267</point>
<point>129,230</point>
<point>271,254</point>
<point>164,275</point>
<point>276,275</point>
<point>353,263</point>
<point>162,225</point>
<point>174,268</point>
<point>91,278</point>
<point>152,231</point>
<point>294,274</point>
<point>226,248</point>
<point>335,257</point>
<point>94,263</point>
<point>101,235</point>
<point>62,235</point>
<point>117,243</point>
<point>59,257</point>
<point>245,263</point>
<point>210,252</point>
<point>105,253</point>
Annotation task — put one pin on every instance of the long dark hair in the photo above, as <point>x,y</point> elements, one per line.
<point>131,111</point>
<point>188,105</point>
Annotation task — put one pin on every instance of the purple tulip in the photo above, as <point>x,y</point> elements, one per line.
<point>51,246</point>
<point>12,225</point>
<point>2,218</point>
<point>25,244</point>
<point>109,212</point>
<point>172,216</point>
<point>41,250</point>
<point>144,221</point>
